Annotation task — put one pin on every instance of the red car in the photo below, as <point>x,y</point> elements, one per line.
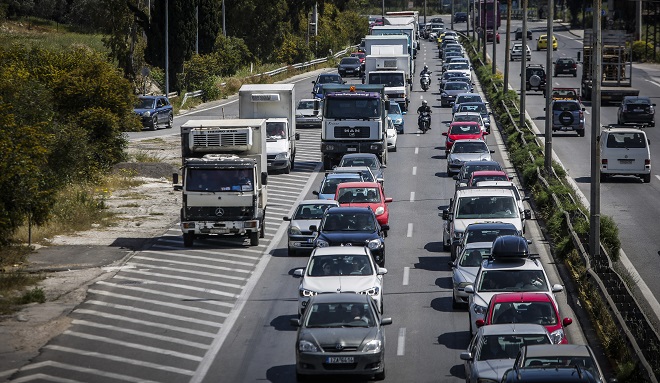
<point>489,36</point>
<point>536,308</point>
<point>462,130</point>
<point>361,55</point>
<point>365,194</point>
<point>487,175</point>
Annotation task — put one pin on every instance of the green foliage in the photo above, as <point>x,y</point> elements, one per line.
<point>609,235</point>
<point>642,51</point>
<point>294,50</point>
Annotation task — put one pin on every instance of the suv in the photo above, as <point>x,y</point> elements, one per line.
<point>154,111</point>
<point>565,65</point>
<point>535,77</point>
<point>460,17</point>
<point>510,268</point>
<point>518,34</point>
<point>624,151</point>
<point>636,109</point>
<point>568,115</point>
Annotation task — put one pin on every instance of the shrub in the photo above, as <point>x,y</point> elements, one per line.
<point>642,51</point>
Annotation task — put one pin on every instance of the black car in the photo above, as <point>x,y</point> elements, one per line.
<point>460,17</point>
<point>518,34</point>
<point>154,111</point>
<point>352,226</point>
<point>325,78</point>
<point>483,232</point>
<point>637,109</point>
<point>535,77</point>
<point>350,66</point>
<point>565,65</point>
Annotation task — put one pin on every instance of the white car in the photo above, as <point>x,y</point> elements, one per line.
<point>391,135</point>
<point>337,269</point>
<point>525,213</point>
<point>510,268</point>
<point>470,117</point>
<point>464,269</point>
<point>466,68</point>
<point>306,114</point>
<point>516,52</point>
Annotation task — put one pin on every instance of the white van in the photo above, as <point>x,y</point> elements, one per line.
<point>624,151</point>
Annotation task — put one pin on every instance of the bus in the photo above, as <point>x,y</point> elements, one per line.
<point>490,10</point>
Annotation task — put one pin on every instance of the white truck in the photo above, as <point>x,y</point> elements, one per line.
<point>385,44</point>
<point>275,103</point>
<point>408,30</point>
<point>393,72</point>
<point>224,178</point>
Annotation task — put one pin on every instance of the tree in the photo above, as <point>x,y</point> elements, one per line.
<point>210,24</point>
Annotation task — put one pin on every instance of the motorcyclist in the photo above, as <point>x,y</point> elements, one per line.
<point>425,71</point>
<point>424,108</point>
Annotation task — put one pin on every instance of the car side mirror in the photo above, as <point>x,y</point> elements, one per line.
<point>295,322</point>
<point>557,288</point>
<point>566,321</point>
<point>584,109</point>
<point>288,219</point>
<point>385,227</point>
<point>469,289</point>
<point>480,322</point>
<point>455,177</point>
<point>297,136</point>
<point>385,321</point>
<point>445,214</point>
<point>315,192</point>
<point>381,271</point>
<point>264,178</point>
<point>528,214</point>
<point>444,133</point>
<point>314,82</point>
<point>299,272</point>
<point>465,355</point>
<point>313,228</point>
<point>389,199</point>
<point>451,264</point>
<point>492,151</point>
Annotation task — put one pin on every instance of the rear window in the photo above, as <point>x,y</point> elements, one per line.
<point>468,98</point>
<point>626,140</point>
<point>565,106</point>
<point>456,86</point>
<point>465,129</point>
<point>638,101</point>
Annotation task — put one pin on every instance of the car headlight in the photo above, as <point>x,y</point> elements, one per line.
<point>375,244</point>
<point>480,310</point>
<point>443,94</point>
<point>372,291</point>
<point>304,293</point>
<point>455,161</point>
<point>557,336</point>
<point>282,156</point>
<point>322,243</point>
<point>449,139</point>
<point>146,114</point>
<point>306,346</point>
<point>373,346</point>
<point>398,121</point>
<point>294,230</point>
<point>390,134</point>
<point>380,210</point>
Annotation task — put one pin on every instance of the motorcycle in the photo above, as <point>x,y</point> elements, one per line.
<point>424,121</point>
<point>425,81</point>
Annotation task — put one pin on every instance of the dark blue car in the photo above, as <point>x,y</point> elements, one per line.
<point>325,78</point>
<point>154,111</point>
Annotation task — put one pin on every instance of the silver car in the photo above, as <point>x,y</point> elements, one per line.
<point>494,348</point>
<point>308,113</point>
<point>308,213</point>
<point>464,270</point>
<point>341,334</point>
<point>467,150</point>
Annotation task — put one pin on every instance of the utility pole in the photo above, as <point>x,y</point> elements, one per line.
<point>167,48</point>
<point>596,62</point>
<point>496,14</point>
<point>424,13</point>
<point>483,25</point>
<point>196,29</point>
<point>224,28</point>
<point>474,21</point>
<point>452,15</point>
<point>548,91</point>
<point>507,47</point>
<point>523,65</point>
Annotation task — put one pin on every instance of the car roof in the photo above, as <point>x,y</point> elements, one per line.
<point>489,173</point>
<point>481,192</point>
<point>490,226</point>
<point>467,114</point>
<point>478,162</point>
<point>522,297</point>
<point>358,185</point>
<point>339,298</point>
<point>478,245</point>
<point>350,169</point>
<point>349,209</point>
<point>557,349</point>
<point>463,123</point>
<point>513,329</point>
<point>339,250</point>
<point>472,140</point>
<point>318,202</point>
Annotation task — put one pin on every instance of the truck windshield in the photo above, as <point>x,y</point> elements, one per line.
<point>387,79</point>
<point>219,180</point>
<point>276,130</point>
<point>352,108</point>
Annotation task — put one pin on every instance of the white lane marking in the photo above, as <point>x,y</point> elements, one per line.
<point>417,149</point>
<point>406,275</point>
<point>64,366</point>
<point>201,346</point>
<point>586,112</point>
<point>401,347</point>
<point>412,196</point>
<point>410,229</point>
<point>657,176</point>
<point>414,170</point>
<point>652,82</point>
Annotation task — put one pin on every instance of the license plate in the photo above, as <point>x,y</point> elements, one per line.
<point>351,149</point>
<point>626,161</point>
<point>339,359</point>
<point>638,110</point>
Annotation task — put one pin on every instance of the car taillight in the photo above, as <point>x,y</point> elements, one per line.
<point>581,114</point>
<point>574,66</point>
<point>603,161</point>
<point>647,162</point>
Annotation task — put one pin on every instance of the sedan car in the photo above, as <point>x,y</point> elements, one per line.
<point>489,36</point>
<point>154,111</point>
<point>465,97</point>
<point>451,76</point>
<point>350,66</point>
<point>636,109</point>
<point>464,174</point>
<point>451,90</point>
<point>464,270</point>
<point>340,269</point>
<point>517,52</point>
<point>460,17</point>
<point>325,78</point>
<point>365,159</point>
<point>470,117</point>
<point>542,42</point>
<point>308,113</point>
<point>486,231</point>
<point>493,349</point>
<point>308,213</point>
<point>464,67</point>
<point>480,107</point>
<point>467,150</point>
<point>466,130</point>
<point>352,226</point>
<point>518,34</point>
<point>368,194</point>
<point>554,356</point>
<point>392,135</point>
<point>340,334</point>
<point>537,308</point>
<point>396,115</point>
<point>365,172</point>
<point>330,182</point>
<point>565,65</point>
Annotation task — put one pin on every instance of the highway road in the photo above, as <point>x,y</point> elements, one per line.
<point>219,312</point>
<point>633,205</point>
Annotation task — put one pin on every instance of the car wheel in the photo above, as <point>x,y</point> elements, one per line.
<point>262,231</point>
<point>446,247</point>
<point>394,148</point>
<point>170,121</point>
<point>188,239</point>
<point>580,132</point>
<point>254,238</point>
<point>646,178</point>
<point>380,375</point>
<point>603,177</point>
<point>154,122</point>
<point>574,74</point>
<point>327,163</point>
<point>287,170</point>
<point>470,322</point>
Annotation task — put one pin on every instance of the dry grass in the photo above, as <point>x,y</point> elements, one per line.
<point>46,34</point>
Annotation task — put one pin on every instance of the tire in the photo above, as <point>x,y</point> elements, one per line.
<point>394,149</point>
<point>382,305</point>
<point>446,247</point>
<point>574,74</point>
<point>262,230</point>
<point>287,170</point>
<point>454,305</point>
<point>535,81</point>
<point>470,322</point>
<point>154,122</point>
<point>580,133</point>
<point>188,239</point>
<point>380,375</point>
<point>566,118</point>
<point>603,178</point>
<point>293,161</point>
<point>170,121</point>
<point>327,163</point>
<point>254,238</point>
<point>301,378</point>
<point>528,87</point>
<point>646,178</point>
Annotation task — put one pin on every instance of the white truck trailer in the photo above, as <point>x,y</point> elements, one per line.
<point>393,72</point>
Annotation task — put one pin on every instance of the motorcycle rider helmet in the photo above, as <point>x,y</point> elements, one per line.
<point>426,67</point>
<point>424,102</point>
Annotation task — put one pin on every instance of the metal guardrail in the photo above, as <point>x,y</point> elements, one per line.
<point>197,93</point>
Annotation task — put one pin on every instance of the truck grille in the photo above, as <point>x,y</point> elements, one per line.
<point>213,213</point>
<point>351,132</point>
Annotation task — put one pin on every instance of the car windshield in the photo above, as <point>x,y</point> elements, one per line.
<point>219,180</point>
<point>358,195</point>
<point>470,147</point>
<point>638,101</point>
<point>145,103</point>
<point>353,108</point>
<point>330,184</point>
<point>359,161</point>
<point>473,257</point>
<point>328,80</point>
<point>456,86</point>
<point>565,106</point>
<point>394,108</point>
<point>507,346</point>
<point>626,140</point>
<point>464,129</point>
<point>348,222</point>
<point>524,312</point>
<point>339,264</point>
<point>387,79</point>
<point>350,60</point>
<point>327,315</point>
<point>469,169</point>
<point>487,207</point>
<point>468,118</point>
<point>306,104</point>
<point>512,280</point>
<point>488,235</point>
<point>564,61</point>
<point>311,211</point>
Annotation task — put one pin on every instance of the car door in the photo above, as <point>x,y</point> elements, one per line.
<point>161,111</point>
<point>472,349</point>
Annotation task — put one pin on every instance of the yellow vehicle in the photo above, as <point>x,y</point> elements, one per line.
<point>542,43</point>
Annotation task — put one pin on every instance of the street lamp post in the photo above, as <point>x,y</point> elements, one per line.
<point>596,62</point>
<point>167,49</point>
<point>496,16</point>
<point>507,53</point>
<point>548,91</point>
<point>523,65</point>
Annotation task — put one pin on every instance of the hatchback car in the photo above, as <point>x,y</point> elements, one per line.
<point>517,52</point>
<point>451,90</point>
<point>360,55</point>
<point>365,159</point>
<point>396,115</point>
<point>493,349</point>
<point>392,135</point>
<point>489,36</point>
<point>308,113</point>
<point>565,65</point>
<point>325,78</point>
<point>463,67</point>
<point>340,334</point>
<point>369,194</point>
<point>636,109</point>
<point>330,182</point>
<point>154,111</point>
<point>467,130</point>
<point>518,34</point>
<point>451,76</point>
<point>479,107</point>
<point>460,17</point>
<point>464,269</point>
<point>536,308</point>
<point>352,226</point>
<point>340,269</point>
<point>542,42</point>
<point>308,213</point>
<point>555,356</point>
<point>350,66</point>
<point>466,97</point>
<point>468,150</point>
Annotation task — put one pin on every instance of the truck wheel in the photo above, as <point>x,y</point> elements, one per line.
<point>254,238</point>
<point>188,239</point>
<point>327,163</point>
<point>262,231</point>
